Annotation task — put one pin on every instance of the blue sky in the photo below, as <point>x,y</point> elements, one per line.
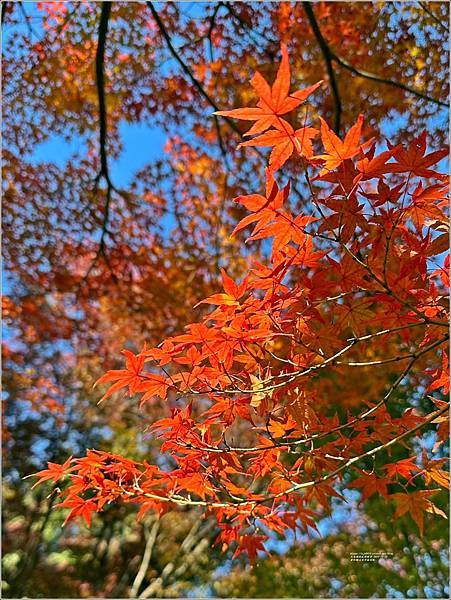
<point>141,144</point>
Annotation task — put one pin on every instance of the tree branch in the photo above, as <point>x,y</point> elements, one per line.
<point>150,543</point>
<point>245,502</point>
<point>322,435</point>
<point>328,58</point>
<point>331,360</point>
<point>247,27</point>
<point>359,457</point>
<point>434,17</point>
<point>372,77</point>
<point>103,136</point>
<point>182,64</point>
<point>30,28</point>
<point>194,542</point>
<point>5,8</point>
<point>100,82</point>
<point>185,68</point>
<point>360,72</point>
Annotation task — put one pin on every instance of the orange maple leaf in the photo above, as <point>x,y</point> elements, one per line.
<point>415,161</point>
<point>130,376</point>
<point>250,544</point>
<point>370,484</point>
<point>54,472</point>
<point>285,141</point>
<point>441,376</point>
<point>432,472</point>
<point>262,207</point>
<point>425,204</point>
<point>338,151</point>
<point>233,292</point>
<point>371,167</point>
<point>80,508</point>
<point>154,385</point>
<point>274,101</point>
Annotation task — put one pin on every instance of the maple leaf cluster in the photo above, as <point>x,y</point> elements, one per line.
<point>360,286</point>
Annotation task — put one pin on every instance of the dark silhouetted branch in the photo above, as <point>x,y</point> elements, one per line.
<point>328,59</point>
<point>442,24</point>
<point>360,72</point>
<point>177,57</point>
<point>185,68</point>
<point>5,9</point>
<point>103,135</point>
<point>100,82</point>
<point>250,32</point>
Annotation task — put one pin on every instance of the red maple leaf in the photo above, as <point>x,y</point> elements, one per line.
<point>413,159</point>
<point>54,472</point>
<point>80,507</point>
<point>370,167</point>
<point>154,385</point>
<point>403,467</point>
<point>370,484</point>
<point>250,544</point>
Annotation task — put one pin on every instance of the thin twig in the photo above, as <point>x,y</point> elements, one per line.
<point>355,459</point>
<point>319,436</point>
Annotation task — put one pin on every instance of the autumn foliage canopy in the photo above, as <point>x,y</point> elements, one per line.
<point>286,385</point>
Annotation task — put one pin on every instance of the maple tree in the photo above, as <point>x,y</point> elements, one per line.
<point>261,361</point>
<point>135,278</point>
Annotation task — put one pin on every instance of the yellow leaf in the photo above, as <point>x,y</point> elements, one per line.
<point>258,397</point>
